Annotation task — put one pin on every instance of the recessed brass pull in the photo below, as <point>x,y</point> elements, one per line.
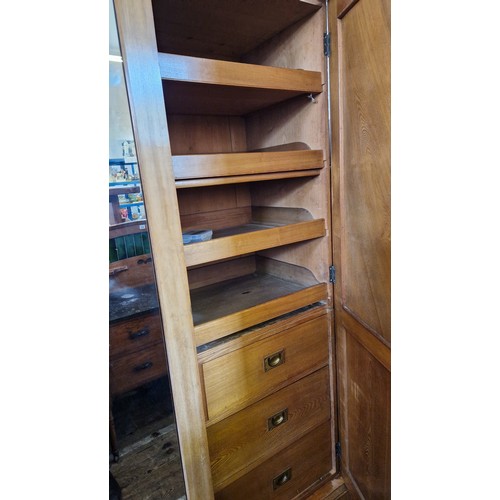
<point>277,420</point>
<point>274,360</point>
<point>283,478</point>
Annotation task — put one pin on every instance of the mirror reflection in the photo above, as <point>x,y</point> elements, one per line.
<point>144,453</point>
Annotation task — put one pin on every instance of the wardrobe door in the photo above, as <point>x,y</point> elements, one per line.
<point>149,122</point>
<point>360,77</point>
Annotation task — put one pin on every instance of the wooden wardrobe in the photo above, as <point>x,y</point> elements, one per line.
<point>268,122</point>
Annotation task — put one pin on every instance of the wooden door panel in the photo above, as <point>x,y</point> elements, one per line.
<point>360,77</point>
<point>364,71</point>
<point>367,428</point>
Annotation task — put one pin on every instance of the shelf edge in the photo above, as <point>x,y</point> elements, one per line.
<point>232,323</point>
<point>217,72</point>
<point>241,244</point>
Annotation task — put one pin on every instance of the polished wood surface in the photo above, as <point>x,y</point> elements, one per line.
<point>366,396</point>
<point>250,238</point>
<point>246,303</point>
<point>240,442</point>
<point>306,469</point>
<point>224,29</point>
<point>201,276</point>
<point>220,165</point>
<point>133,334</point>
<point>261,332</point>
<point>360,76</point>
<point>217,219</point>
<point>300,120</point>
<point>138,44</point>
<point>217,181</point>
<point>296,275</point>
<point>364,38</point>
<point>333,490</point>
<point>128,371</point>
<point>343,6</point>
<point>231,74</point>
<point>201,86</point>
<point>208,99</point>
<point>239,378</point>
<point>206,134</point>
<point>314,255</point>
<point>216,207</point>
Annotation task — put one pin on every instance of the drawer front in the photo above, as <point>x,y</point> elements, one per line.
<point>133,370</point>
<point>244,376</point>
<point>134,334</point>
<point>264,428</point>
<point>287,473</point>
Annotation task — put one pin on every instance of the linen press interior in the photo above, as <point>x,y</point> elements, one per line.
<point>231,106</point>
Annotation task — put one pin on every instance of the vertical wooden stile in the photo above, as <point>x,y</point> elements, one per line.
<point>144,88</point>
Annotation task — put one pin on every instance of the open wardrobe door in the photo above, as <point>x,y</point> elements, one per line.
<point>360,77</point>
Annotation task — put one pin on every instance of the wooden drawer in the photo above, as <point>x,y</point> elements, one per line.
<point>131,335</point>
<point>264,428</point>
<point>244,376</point>
<point>131,371</point>
<point>303,463</point>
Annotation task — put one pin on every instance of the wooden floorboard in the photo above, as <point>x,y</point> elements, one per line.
<point>151,469</point>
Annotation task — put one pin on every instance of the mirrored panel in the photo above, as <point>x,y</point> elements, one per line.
<point>144,452</point>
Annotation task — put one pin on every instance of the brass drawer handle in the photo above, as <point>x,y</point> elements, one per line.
<point>140,333</point>
<point>277,420</point>
<point>283,478</point>
<point>274,360</point>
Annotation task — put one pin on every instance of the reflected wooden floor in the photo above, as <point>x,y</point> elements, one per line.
<point>149,466</point>
<point>150,469</point>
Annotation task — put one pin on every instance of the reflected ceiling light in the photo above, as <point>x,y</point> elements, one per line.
<point>115,58</point>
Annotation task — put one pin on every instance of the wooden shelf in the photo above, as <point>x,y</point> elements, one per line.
<point>224,29</point>
<point>129,227</point>
<point>230,306</point>
<point>218,181</point>
<point>200,86</point>
<point>250,238</point>
<point>206,169</point>
<point>116,190</point>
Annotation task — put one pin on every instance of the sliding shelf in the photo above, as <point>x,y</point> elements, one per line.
<point>230,306</point>
<point>235,179</point>
<point>225,168</point>
<point>228,29</point>
<point>194,85</point>
<point>250,238</point>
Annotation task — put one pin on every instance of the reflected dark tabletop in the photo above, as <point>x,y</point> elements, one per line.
<point>128,302</point>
